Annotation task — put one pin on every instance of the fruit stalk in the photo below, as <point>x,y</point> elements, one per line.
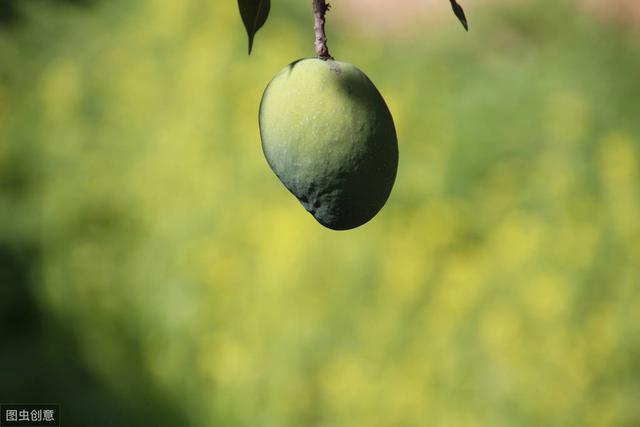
<point>320,8</point>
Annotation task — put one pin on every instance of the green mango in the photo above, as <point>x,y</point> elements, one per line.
<point>329,137</point>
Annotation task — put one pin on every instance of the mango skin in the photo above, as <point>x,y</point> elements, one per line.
<point>329,137</point>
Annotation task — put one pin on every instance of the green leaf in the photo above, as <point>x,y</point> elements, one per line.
<point>457,9</point>
<point>254,14</point>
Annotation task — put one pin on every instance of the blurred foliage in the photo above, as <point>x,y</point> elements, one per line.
<point>11,10</point>
<point>153,268</point>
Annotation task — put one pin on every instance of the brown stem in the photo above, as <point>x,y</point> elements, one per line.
<point>320,8</point>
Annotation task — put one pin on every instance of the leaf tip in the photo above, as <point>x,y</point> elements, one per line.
<point>250,46</point>
<point>459,12</point>
<point>254,14</point>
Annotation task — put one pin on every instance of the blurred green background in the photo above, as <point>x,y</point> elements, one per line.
<point>153,271</point>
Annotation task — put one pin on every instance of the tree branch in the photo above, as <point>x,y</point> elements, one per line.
<point>320,8</point>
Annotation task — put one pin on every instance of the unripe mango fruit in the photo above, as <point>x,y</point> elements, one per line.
<point>329,137</point>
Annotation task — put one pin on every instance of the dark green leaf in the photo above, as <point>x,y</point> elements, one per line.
<point>457,9</point>
<point>254,14</point>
